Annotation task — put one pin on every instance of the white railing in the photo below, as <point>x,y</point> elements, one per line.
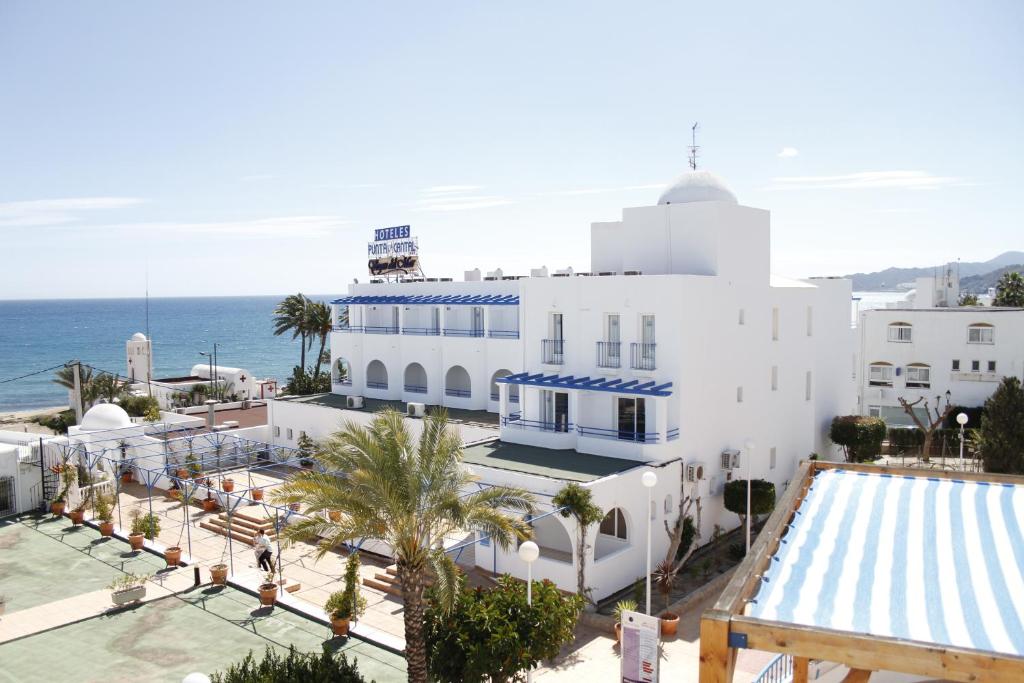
<point>78,493</point>
<point>779,670</point>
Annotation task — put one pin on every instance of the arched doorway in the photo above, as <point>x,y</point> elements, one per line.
<point>513,389</point>
<point>415,379</point>
<point>457,383</point>
<point>376,375</point>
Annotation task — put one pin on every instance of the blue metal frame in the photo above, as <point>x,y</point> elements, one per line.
<point>455,332</point>
<point>444,299</point>
<point>516,420</point>
<point>503,334</point>
<point>618,434</point>
<point>347,328</point>
<point>376,385</point>
<point>458,393</point>
<point>414,389</point>
<point>380,329</point>
<point>422,331</point>
<point>615,386</point>
<point>672,434</point>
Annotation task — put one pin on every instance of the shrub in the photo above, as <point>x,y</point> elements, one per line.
<point>903,439</point>
<point>1002,429</point>
<point>59,423</point>
<point>762,497</point>
<point>148,524</point>
<point>737,551</point>
<point>493,634</point>
<point>861,437</point>
<point>295,668</point>
<point>689,533</point>
<point>139,406</point>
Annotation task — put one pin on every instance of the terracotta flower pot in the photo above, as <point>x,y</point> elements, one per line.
<point>136,541</point>
<point>228,485</point>
<point>339,626</point>
<point>57,508</point>
<point>335,515</point>
<point>76,516</point>
<point>173,556</point>
<point>669,623</point>
<point>257,494</point>
<point>618,632</point>
<point>209,505</point>
<point>106,528</point>
<point>174,494</point>
<point>268,593</point>
<point>219,574</point>
<point>182,473</point>
<point>127,477</point>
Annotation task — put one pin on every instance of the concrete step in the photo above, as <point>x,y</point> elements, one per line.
<point>388,587</point>
<point>253,519</point>
<point>223,523</point>
<point>240,536</point>
<point>245,523</point>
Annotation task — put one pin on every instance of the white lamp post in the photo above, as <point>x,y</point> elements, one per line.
<point>649,479</point>
<point>750,456</point>
<point>528,553</point>
<point>961,420</point>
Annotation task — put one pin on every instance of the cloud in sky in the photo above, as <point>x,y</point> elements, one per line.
<point>258,178</point>
<point>788,152</point>
<point>449,189</point>
<point>603,190</point>
<point>867,180</point>
<point>279,227</point>
<point>42,212</point>
<point>456,198</point>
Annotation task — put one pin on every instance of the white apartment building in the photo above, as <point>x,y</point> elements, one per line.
<point>676,349</point>
<point>961,353</point>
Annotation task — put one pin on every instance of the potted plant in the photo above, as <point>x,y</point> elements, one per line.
<point>174,493</point>
<point>257,494</point>
<point>348,604</point>
<point>68,474</point>
<point>219,574</point>
<point>143,527</point>
<point>77,515</point>
<point>128,588</point>
<point>228,484</point>
<point>664,579</point>
<point>182,472</point>
<point>335,515</point>
<point>209,503</point>
<point>268,590</point>
<point>192,464</point>
<point>104,511</point>
<point>626,605</point>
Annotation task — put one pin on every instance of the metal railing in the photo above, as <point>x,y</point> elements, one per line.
<point>512,398</point>
<point>376,385</point>
<point>496,396</point>
<point>641,356</point>
<point>457,332</point>
<point>422,331</point>
<point>415,389</point>
<point>779,670</point>
<point>503,334</point>
<point>458,393</point>
<point>672,434</point>
<point>348,328</point>
<point>380,329</point>
<point>553,351</point>
<point>609,354</point>
<point>618,434</point>
<point>515,420</point>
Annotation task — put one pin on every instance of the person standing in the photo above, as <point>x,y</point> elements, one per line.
<point>261,548</point>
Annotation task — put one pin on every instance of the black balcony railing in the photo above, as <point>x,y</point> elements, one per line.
<point>380,329</point>
<point>457,332</point>
<point>641,356</point>
<point>553,351</point>
<point>609,354</point>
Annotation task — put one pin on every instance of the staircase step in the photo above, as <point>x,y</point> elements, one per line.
<point>236,521</point>
<point>241,537</point>
<point>381,586</point>
<point>252,518</point>
<point>222,523</point>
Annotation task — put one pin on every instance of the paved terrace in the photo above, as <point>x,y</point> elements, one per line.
<point>567,465</point>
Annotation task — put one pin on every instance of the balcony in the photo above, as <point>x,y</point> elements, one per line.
<point>641,356</point>
<point>553,351</point>
<point>378,329</point>
<point>516,420</point>
<point>609,354</point>
<point>503,334</point>
<point>347,328</point>
<point>422,331</point>
<point>626,435</point>
<point>456,332</point>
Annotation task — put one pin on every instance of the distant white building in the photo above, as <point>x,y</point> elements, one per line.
<point>677,348</point>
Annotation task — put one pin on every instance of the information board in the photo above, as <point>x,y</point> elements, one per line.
<point>641,636</point>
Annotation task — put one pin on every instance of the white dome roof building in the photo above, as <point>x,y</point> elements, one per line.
<point>138,336</point>
<point>105,416</point>
<point>697,186</point>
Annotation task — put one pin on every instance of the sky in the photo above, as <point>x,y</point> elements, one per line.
<point>237,148</point>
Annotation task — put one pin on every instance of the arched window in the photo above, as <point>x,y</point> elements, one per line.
<point>919,376</point>
<point>901,332</point>
<point>980,333</point>
<point>376,375</point>
<point>880,374</point>
<point>614,524</point>
<point>415,379</point>
<point>513,389</point>
<point>456,382</point>
<point>342,373</point>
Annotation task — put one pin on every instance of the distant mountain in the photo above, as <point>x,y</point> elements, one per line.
<point>979,284</point>
<point>890,278</point>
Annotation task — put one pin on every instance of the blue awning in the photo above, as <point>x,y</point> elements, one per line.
<point>428,299</point>
<point>612,385</point>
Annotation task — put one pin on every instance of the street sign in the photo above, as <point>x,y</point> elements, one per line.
<point>640,640</point>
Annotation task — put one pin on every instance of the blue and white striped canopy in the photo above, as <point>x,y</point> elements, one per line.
<point>933,560</point>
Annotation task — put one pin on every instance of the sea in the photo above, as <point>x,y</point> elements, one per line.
<point>39,334</point>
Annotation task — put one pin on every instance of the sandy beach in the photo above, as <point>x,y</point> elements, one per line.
<point>21,421</point>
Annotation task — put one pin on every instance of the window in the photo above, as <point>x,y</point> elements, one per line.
<point>975,366</point>
<point>900,332</point>
<point>611,328</point>
<point>991,366</point>
<point>741,317</point>
<point>614,524</point>
<point>880,375</point>
<point>919,377</point>
<point>807,386</point>
<point>277,431</point>
<point>668,504</point>
<point>980,334</point>
<point>771,458</point>
<point>739,394</point>
<point>775,378</point>
<point>775,324</point>
<point>874,411</point>
<point>810,321</point>
<point>289,433</point>
<point>654,510</point>
<point>956,365</point>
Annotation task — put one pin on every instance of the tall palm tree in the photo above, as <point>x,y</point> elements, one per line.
<point>410,495</point>
<point>104,386</point>
<point>290,315</point>
<point>66,376</point>
<point>1010,290</point>
<point>318,326</point>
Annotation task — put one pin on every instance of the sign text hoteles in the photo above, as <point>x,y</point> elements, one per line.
<point>393,250</point>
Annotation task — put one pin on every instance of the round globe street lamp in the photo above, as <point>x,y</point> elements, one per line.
<point>196,677</point>
<point>962,421</point>
<point>649,479</point>
<point>528,553</point>
<point>750,456</point>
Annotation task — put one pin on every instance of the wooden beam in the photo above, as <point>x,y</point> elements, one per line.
<point>716,657</point>
<point>876,653</point>
<point>857,676</point>
<point>748,575</point>
<point>800,666</point>
<point>921,472</point>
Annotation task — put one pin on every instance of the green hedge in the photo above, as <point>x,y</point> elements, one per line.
<point>861,437</point>
<point>762,496</point>
<point>295,668</point>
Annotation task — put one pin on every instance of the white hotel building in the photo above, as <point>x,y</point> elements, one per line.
<point>677,348</point>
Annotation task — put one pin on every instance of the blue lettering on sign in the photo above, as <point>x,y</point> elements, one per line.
<point>396,233</point>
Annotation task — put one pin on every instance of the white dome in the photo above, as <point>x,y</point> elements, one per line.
<point>105,416</point>
<point>697,186</point>
<point>138,336</point>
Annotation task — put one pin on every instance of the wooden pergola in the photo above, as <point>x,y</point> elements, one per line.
<point>776,604</point>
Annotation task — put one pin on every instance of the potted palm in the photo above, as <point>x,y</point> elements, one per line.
<point>621,606</point>
<point>128,588</point>
<point>104,510</point>
<point>268,590</point>
<point>664,578</point>
<point>77,515</point>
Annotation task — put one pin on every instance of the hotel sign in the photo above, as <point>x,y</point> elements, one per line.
<point>393,250</point>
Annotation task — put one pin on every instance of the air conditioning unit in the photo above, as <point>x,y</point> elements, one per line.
<point>730,459</point>
<point>353,401</point>
<point>416,409</point>
<point>695,472</point>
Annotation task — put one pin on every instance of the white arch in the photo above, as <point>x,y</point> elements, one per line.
<point>415,379</point>
<point>457,382</point>
<point>613,534</point>
<point>376,375</point>
<point>513,389</point>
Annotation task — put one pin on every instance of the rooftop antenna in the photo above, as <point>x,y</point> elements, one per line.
<point>693,147</point>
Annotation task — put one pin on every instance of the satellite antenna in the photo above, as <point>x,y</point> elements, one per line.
<point>693,147</point>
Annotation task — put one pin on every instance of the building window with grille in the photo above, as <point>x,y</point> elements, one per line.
<point>975,366</point>
<point>991,366</point>
<point>980,334</point>
<point>901,332</point>
<point>880,375</point>
<point>956,365</point>
<point>919,376</point>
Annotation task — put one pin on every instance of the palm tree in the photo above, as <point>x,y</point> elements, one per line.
<point>409,495</point>
<point>291,316</point>
<point>104,386</point>
<point>66,376</point>
<point>318,326</point>
<point>1010,291</point>
<point>577,502</point>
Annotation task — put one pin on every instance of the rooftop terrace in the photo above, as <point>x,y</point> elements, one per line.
<point>567,465</point>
